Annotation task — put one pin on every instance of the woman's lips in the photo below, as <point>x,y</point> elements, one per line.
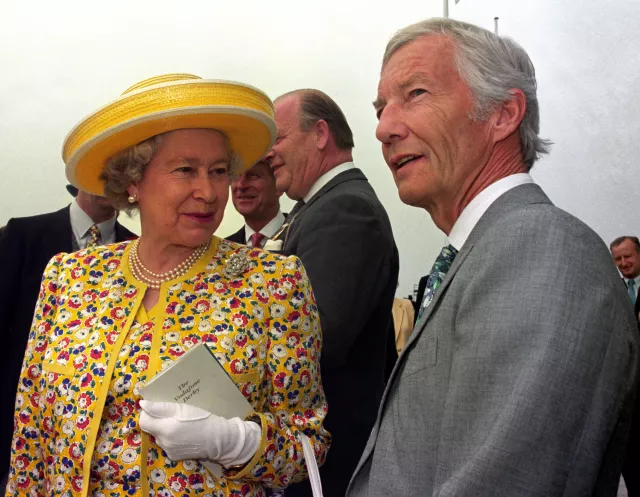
<point>200,217</point>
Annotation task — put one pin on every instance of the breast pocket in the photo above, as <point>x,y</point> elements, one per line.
<point>422,353</point>
<point>420,360</point>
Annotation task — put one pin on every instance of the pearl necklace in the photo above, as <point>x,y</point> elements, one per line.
<point>155,281</point>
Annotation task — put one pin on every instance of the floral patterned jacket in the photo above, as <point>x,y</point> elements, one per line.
<point>259,317</point>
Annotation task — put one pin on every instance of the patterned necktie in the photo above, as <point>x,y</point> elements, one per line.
<point>438,272</point>
<point>631,288</point>
<point>256,239</point>
<point>94,233</point>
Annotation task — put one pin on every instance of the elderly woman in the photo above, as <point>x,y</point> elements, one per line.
<point>109,318</point>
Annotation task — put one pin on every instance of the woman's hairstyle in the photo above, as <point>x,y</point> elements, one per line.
<point>127,167</point>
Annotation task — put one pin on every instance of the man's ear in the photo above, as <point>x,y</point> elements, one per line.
<point>506,118</point>
<point>321,134</point>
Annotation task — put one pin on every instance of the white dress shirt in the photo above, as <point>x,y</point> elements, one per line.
<point>81,223</point>
<point>271,228</point>
<point>326,177</point>
<point>479,205</point>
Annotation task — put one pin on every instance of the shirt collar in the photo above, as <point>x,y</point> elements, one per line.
<point>326,177</point>
<point>479,205</point>
<point>81,222</point>
<point>269,230</point>
<point>636,279</point>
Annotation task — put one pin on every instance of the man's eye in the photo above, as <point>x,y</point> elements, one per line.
<point>183,169</point>
<point>379,112</point>
<point>219,171</point>
<point>417,92</point>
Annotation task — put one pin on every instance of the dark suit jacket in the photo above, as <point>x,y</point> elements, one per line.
<point>344,239</point>
<point>26,247</point>
<point>519,378</point>
<point>238,237</point>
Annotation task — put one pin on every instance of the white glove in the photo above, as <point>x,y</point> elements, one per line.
<point>188,432</point>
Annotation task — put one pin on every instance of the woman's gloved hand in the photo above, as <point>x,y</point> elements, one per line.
<point>188,432</point>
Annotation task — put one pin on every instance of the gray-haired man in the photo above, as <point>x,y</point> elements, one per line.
<point>520,373</point>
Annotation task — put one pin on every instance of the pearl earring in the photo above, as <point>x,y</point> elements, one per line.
<point>132,198</point>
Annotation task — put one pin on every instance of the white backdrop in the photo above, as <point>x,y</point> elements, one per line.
<point>60,60</point>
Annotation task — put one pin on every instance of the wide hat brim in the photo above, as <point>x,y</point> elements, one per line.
<point>243,113</point>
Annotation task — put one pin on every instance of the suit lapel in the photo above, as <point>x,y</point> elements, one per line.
<point>417,331</point>
<point>421,323</point>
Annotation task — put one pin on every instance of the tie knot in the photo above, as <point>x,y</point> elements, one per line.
<point>256,239</point>
<point>631,284</point>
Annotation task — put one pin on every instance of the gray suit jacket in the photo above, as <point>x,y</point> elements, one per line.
<point>520,376</point>
<point>344,239</point>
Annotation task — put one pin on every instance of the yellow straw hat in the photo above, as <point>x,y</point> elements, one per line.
<point>166,103</point>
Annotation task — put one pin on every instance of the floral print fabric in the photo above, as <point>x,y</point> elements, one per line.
<point>116,464</point>
<point>87,357</point>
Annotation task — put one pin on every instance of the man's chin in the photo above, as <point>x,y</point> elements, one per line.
<point>283,186</point>
<point>409,197</point>
<point>245,210</point>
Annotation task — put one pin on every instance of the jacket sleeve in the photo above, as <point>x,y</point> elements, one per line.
<point>295,398</point>
<point>27,471</point>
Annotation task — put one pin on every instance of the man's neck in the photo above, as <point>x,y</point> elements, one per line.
<point>328,163</point>
<point>500,165</point>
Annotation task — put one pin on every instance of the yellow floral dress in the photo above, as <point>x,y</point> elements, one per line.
<point>93,345</point>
